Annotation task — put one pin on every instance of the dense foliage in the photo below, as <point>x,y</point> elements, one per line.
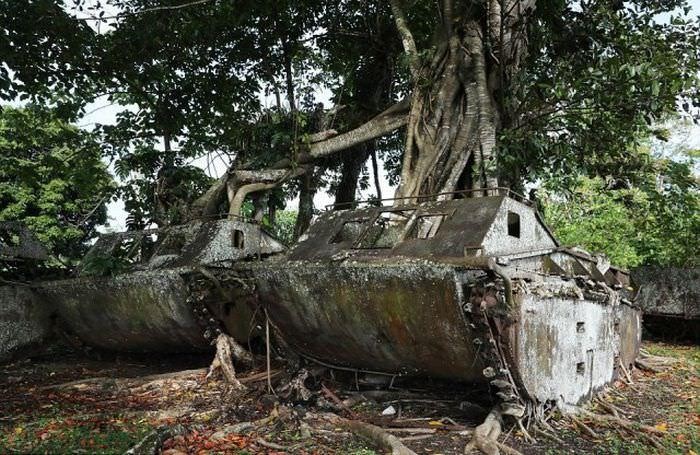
<point>655,222</point>
<point>243,82</point>
<point>52,178</point>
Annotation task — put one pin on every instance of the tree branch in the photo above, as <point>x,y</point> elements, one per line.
<point>390,120</point>
<point>145,10</point>
<point>263,180</point>
<point>409,44</point>
<point>240,183</point>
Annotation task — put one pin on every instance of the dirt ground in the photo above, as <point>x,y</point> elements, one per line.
<point>66,403</point>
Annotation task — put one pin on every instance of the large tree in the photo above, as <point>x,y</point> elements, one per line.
<point>483,92</point>
<point>53,179</point>
<point>506,91</point>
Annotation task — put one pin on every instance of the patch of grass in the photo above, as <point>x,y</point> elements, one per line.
<point>97,435</point>
<point>679,386</point>
<point>689,353</point>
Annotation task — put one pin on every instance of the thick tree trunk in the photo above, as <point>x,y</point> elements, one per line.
<point>455,119</point>
<point>307,191</point>
<point>458,106</point>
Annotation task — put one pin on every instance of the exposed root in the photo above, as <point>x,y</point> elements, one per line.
<point>372,433</point>
<point>295,390</point>
<point>646,366</point>
<point>153,441</point>
<point>226,350</point>
<point>620,421</point>
<point>548,435</point>
<point>486,435</point>
<point>271,445</point>
<point>507,450</point>
<point>585,428</point>
<point>627,374</point>
<point>653,363</point>
<point>525,433</point>
<point>328,393</point>
<point>615,422</point>
<point>611,408</point>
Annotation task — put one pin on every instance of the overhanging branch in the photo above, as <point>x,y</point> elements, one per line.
<point>390,120</point>
<point>240,183</point>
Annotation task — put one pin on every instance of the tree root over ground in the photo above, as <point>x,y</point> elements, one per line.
<point>372,433</point>
<point>614,421</point>
<point>485,437</point>
<point>226,350</point>
<point>153,441</point>
<point>653,363</point>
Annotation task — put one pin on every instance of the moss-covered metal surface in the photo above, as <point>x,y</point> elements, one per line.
<point>176,292</point>
<point>143,311</point>
<point>476,290</point>
<point>403,318</point>
<point>25,322</point>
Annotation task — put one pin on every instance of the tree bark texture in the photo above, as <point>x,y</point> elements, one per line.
<point>458,103</point>
<point>307,190</point>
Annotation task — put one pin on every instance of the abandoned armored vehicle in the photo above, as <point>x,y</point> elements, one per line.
<point>670,300</point>
<point>162,290</point>
<point>472,289</point>
<point>24,320</point>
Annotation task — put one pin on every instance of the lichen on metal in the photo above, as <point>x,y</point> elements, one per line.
<point>670,300</point>
<point>25,321</point>
<point>671,292</point>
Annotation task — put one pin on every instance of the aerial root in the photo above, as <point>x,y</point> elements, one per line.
<point>228,349</point>
<point>486,435</point>
<point>372,433</point>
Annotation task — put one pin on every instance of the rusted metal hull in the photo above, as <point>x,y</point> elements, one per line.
<point>137,312</point>
<point>146,311</point>
<point>439,320</point>
<point>400,319</point>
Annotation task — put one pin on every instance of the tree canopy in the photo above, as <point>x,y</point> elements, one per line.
<point>53,179</point>
<point>656,222</point>
<point>451,95</point>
